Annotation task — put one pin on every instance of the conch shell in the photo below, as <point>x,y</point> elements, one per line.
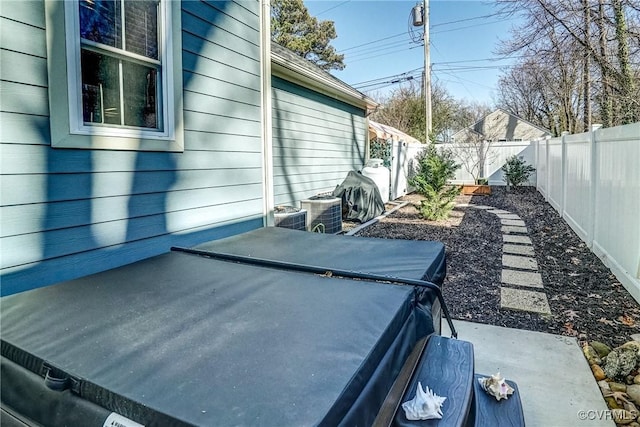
<point>496,386</point>
<point>425,406</point>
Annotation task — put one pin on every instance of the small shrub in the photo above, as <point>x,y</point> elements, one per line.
<point>435,168</point>
<point>516,171</point>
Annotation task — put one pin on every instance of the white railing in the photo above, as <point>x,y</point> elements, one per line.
<point>593,180</point>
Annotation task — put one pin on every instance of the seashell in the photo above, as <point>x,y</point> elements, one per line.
<point>425,406</point>
<point>496,386</point>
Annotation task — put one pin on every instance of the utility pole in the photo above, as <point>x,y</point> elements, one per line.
<point>421,18</point>
<point>427,71</point>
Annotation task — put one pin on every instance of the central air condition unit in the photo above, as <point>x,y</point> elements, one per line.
<point>290,217</point>
<point>324,213</point>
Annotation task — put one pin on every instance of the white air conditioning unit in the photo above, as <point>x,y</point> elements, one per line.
<point>324,213</point>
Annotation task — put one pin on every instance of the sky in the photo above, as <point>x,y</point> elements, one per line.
<point>374,36</point>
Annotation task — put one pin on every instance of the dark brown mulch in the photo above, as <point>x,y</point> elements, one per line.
<point>586,299</point>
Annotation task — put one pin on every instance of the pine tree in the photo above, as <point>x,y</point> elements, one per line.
<point>294,28</point>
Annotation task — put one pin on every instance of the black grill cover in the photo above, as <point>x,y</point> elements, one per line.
<point>361,200</point>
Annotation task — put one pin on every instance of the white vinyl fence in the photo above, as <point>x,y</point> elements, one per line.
<point>495,157</point>
<point>593,180</point>
<point>403,166</point>
<point>403,162</point>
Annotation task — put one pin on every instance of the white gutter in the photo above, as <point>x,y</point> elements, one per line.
<point>265,90</point>
<point>295,73</point>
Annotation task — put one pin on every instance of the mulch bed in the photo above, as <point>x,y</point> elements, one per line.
<point>586,299</point>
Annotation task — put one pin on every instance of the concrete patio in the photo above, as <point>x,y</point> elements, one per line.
<point>556,386</point>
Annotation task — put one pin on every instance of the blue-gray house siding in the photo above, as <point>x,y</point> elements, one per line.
<point>67,213</point>
<point>317,140</point>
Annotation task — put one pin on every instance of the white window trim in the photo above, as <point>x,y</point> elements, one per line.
<point>63,58</point>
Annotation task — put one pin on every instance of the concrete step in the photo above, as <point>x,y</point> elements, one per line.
<point>521,278</point>
<point>513,222</point>
<point>517,261</point>
<point>508,229</point>
<point>518,249</point>
<point>509,238</point>
<point>533,360</point>
<point>524,300</point>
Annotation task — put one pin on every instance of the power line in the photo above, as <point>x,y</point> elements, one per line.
<point>388,77</point>
<point>383,54</point>
<point>332,7</point>
<point>378,49</point>
<point>479,68</point>
<point>380,85</point>
<point>481,59</point>
<point>461,82</point>
<point>464,20</point>
<point>373,41</point>
<point>373,46</point>
<point>404,32</point>
<point>467,27</point>
<point>466,80</point>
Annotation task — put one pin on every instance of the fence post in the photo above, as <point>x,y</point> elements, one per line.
<point>593,185</point>
<point>563,158</point>
<point>534,143</point>
<point>547,178</point>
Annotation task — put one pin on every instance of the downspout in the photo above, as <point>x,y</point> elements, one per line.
<point>265,90</point>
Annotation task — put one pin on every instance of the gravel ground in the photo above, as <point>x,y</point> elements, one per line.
<point>586,299</point>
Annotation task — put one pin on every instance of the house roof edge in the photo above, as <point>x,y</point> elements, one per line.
<point>288,65</point>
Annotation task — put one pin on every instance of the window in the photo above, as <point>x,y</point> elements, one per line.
<point>123,75</point>
<point>120,63</point>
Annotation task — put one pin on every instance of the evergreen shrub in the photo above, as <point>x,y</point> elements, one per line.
<point>516,171</point>
<point>435,169</point>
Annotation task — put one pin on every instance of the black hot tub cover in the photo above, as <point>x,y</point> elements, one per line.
<point>181,339</point>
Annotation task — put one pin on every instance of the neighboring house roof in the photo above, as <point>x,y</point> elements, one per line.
<point>289,65</point>
<point>388,132</point>
<point>502,125</point>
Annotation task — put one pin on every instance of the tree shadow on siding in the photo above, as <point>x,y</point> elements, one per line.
<point>67,246</point>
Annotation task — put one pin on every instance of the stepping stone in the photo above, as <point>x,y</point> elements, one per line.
<point>514,222</point>
<point>508,216</point>
<point>520,299</point>
<point>514,229</point>
<point>523,262</point>
<point>499,211</point>
<point>518,249</point>
<point>521,278</point>
<point>506,238</point>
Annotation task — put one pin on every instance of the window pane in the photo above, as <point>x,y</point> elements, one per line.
<point>100,88</point>
<point>100,21</point>
<point>140,95</point>
<point>141,27</point>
